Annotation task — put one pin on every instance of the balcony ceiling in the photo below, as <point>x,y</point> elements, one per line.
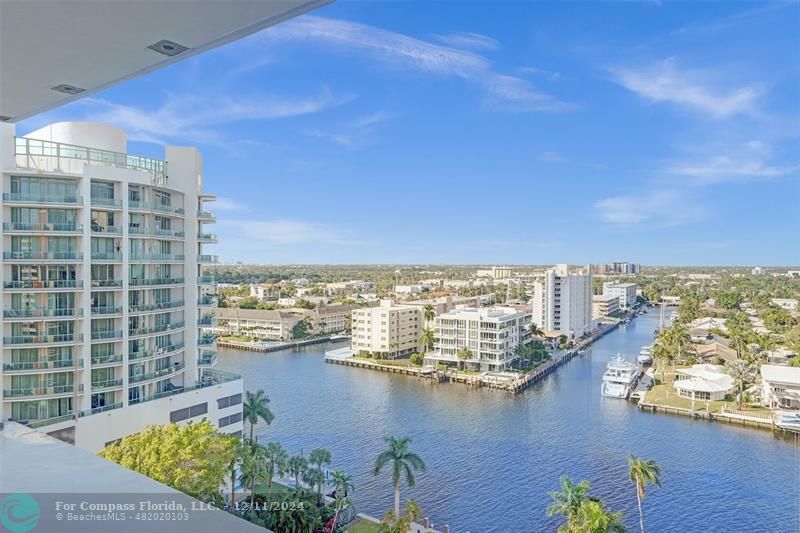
<point>93,45</point>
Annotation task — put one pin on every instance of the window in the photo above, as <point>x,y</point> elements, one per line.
<point>163,198</point>
<point>102,190</point>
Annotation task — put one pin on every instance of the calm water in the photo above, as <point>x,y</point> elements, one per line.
<point>492,458</point>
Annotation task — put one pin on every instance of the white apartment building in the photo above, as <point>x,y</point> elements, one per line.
<point>491,334</point>
<point>105,304</point>
<point>626,292</point>
<point>604,305</point>
<point>390,329</point>
<point>496,272</point>
<point>562,301</point>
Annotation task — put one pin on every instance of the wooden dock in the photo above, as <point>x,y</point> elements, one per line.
<point>261,347</point>
<point>755,420</point>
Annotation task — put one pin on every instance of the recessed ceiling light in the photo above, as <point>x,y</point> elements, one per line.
<point>4,118</point>
<point>168,48</point>
<point>68,89</point>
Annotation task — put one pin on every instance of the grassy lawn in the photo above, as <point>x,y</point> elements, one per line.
<point>666,395</point>
<point>236,339</point>
<point>277,488</point>
<point>388,362</point>
<point>363,526</point>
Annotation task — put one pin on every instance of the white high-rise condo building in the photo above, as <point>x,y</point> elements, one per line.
<point>626,292</point>
<point>105,302</point>
<point>562,301</point>
<point>481,339</point>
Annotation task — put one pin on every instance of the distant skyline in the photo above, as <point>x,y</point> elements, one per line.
<point>490,133</point>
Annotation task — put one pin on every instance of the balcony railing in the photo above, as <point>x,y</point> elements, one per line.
<point>205,215</point>
<point>106,283</point>
<point>210,259</point>
<point>43,365</point>
<point>206,300</point>
<point>207,357</point>
<point>155,281</point>
<point>107,310</point>
<point>147,206</point>
<point>106,256</point>
<point>114,230</point>
<point>42,198</point>
<point>206,280</point>
<point>50,421</point>
<point>53,156</point>
<point>106,202</point>
<point>158,352</point>
<point>207,236</point>
<point>61,228</point>
<point>106,383</point>
<point>172,370</point>
<point>209,378</point>
<point>207,320</point>
<point>41,313</point>
<point>107,334</point>
<point>155,329</point>
<point>158,257</point>
<point>158,232</point>
<point>155,307</point>
<point>37,255</point>
<point>103,409</point>
<point>41,390</point>
<point>42,339</point>
<point>106,359</point>
<point>44,284</point>
<point>206,340</point>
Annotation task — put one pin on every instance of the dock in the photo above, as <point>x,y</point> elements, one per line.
<point>275,347</point>
<point>739,418</point>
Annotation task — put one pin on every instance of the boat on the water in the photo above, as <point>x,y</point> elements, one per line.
<point>790,421</point>
<point>645,355</point>
<point>620,378</point>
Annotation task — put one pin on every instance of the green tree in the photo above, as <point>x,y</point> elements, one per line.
<point>392,523</point>
<point>464,354</point>
<point>253,468</point>
<point>427,339</point>
<point>536,331</point>
<point>592,517</point>
<point>742,371</point>
<point>236,458</point>
<point>689,309</point>
<point>296,466</point>
<point>569,499</point>
<point>416,359</point>
<point>255,408</point>
<point>315,479</point>
<point>194,459</point>
<point>429,311</point>
<point>642,472</point>
<point>276,458</point>
<point>251,302</point>
<point>402,462</point>
<point>729,300</point>
<point>342,486</point>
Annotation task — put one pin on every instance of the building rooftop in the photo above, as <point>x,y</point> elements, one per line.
<point>782,374</point>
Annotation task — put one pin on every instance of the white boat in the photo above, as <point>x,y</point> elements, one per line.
<point>790,421</point>
<point>645,356</point>
<point>619,378</point>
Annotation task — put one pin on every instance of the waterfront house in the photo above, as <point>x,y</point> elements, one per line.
<point>703,382</point>
<point>780,387</point>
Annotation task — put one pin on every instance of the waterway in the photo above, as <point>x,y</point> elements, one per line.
<point>492,458</point>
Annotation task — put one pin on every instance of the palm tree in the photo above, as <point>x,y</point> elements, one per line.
<point>255,408</point>
<point>253,468</point>
<point>536,331</point>
<point>429,311</point>
<point>320,457</point>
<point>642,472</point>
<point>403,463</point>
<point>568,501</point>
<point>742,371</point>
<point>276,461</point>
<point>314,478</point>
<point>296,465</point>
<point>342,484</point>
<point>464,354</point>
<point>239,451</point>
<point>592,517</point>
<point>427,339</point>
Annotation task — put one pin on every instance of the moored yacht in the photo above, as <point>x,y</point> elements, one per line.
<point>619,378</point>
<point>645,355</point>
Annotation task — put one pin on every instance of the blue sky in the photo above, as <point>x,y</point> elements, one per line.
<point>470,132</point>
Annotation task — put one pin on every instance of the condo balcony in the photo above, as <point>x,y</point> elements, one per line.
<point>41,198</point>
<point>155,329</point>
<point>207,320</point>
<point>42,256</point>
<point>145,308</point>
<point>113,230</point>
<point>51,156</point>
<point>106,202</point>
<point>95,410</point>
<point>68,284</point>
<point>106,384</point>
<point>50,421</point>
<point>206,280</point>
<point>106,310</point>
<point>22,340</point>
<point>206,340</point>
<point>155,282</point>
<point>42,365</point>
<point>157,258</point>
<point>106,283</point>
<point>39,391</point>
<point>207,300</point>
<point>206,216</point>
<point>207,237</point>
<point>110,359</point>
<point>18,227</point>
<point>106,334</point>
<point>138,205</point>
<point>158,374</point>
<point>207,259</point>
<point>114,257</point>
<point>158,352</point>
<point>207,358</point>
<point>30,312</point>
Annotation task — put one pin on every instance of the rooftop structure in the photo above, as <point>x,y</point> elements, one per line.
<point>703,382</point>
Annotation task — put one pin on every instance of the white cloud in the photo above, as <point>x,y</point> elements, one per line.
<point>506,92</point>
<point>224,203</point>
<point>665,82</point>
<point>666,207</point>
<point>353,134</point>
<point>550,75</point>
<point>475,41</point>
<point>750,161</point>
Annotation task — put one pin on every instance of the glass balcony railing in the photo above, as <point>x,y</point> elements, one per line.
<point>207,357</point>
<point>207,237</point>
<point>210,259</point>
<point>158,232</point>
<point>207,320</point>
<point>106,256</point>
<point>157,257</point>
<point>170,371</point>
<point>43,339</point>
<point>51,156</point>
<point>42,198</point>
<point>107,310</point>
<point>41,313</point>
<point>156,329</point>
<point>155,282</point>
<point>41,422</point>
<point>205,215</point>
<point>138,308</point>
<point>107,383</point>
<point>103,409</point>
<point>113,230</point>
<point>207,300</point>
<point>38,255</point>
<point>43,365</point>
<point>106,359</point>
<point>206,340</point>
<point>208,378</point>
<point>43,228</point>
<point>107,334</point>
<point>106,283</point>
<point>147,206</point>
<point>206,280</point>
<point>44,284</point>
<point>158,352</point>
<point>45,390</point>
<point>106,202</point>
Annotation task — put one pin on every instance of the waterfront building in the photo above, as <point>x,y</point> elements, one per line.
<point>106,305</point>
<point>562,301</point>
<point>390,330</point>
<point>491,334</point>
<point>258,324</point>
<point>703,382</point>
<point>626,292</point>
<point>604,305</point>
<point>443,304</point>
<point>780,387</point>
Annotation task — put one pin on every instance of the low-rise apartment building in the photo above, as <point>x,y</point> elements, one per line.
<point>626,292</point>
<point>604,305</point>
<point>390,330</point>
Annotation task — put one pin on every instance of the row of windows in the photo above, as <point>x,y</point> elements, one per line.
<point>188,412</point>
<point>228,420</point>
<point>229,401</point>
